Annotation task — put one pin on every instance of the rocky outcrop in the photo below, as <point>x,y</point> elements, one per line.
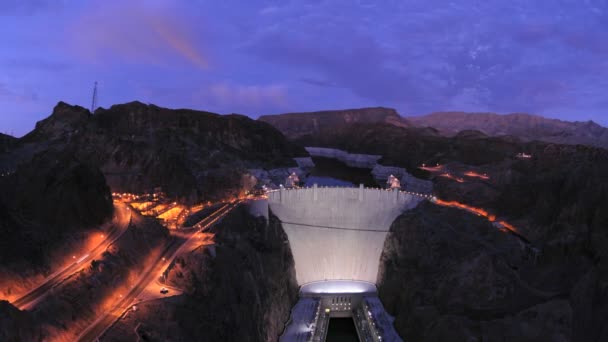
<point>65,121</point>
<point>240,289</point>
<point>44,203</point>
<point>524,126</point>
<point>192,155</point>
<point>295,125</point>
<point>449,275</point>
<point>7,142</point>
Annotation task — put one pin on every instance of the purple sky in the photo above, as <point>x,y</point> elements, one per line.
<point>547,57</point>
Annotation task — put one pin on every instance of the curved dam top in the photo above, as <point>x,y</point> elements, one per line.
<point>338,233</point>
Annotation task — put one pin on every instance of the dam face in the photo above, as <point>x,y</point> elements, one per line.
<point>338,233</point>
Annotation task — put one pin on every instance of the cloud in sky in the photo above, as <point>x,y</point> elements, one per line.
<point>243,98</point>
<point>259,57</point>
<point>135,33</point>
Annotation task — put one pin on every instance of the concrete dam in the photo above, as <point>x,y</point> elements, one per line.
<point>338,233</point>
<point>336,237</point>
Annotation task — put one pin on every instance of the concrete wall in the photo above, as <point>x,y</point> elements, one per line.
<point>338,233</point>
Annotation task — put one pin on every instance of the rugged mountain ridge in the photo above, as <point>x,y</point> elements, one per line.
<point>524,126</point>
<point>295,125</point>
<point>6,142</point>
<point>192,155</point>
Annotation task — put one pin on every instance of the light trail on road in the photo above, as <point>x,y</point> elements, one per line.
<point>34,296</point>
<point>484,213</point>
<point>172,249</point>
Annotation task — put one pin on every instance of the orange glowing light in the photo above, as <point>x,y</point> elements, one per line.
<point>476,175</point>
<point>478,211</point>
<point>431,168</point>
<point>449,176</point>
<point>504,226</point>
<point>508,226</point>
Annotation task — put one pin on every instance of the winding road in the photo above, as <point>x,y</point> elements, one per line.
<point>172,249</point>
<point>120,224</point>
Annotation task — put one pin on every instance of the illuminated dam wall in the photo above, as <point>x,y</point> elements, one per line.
<point>338,233</point>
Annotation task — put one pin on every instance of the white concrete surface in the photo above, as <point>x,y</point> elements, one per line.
<point>302,321</point>
<point>337,286</point>
<point>257,207</point>
<point>338,233</point>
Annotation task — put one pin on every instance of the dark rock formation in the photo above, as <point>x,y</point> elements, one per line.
<point>451,276</point>
<point>295,125</point>
<point>240,289</point>
<point>65,121</point>
<point>524,126</point>
<point>43,203</point>
<point>192,155</point>
<point>7,142</point>
<point>16,326</point>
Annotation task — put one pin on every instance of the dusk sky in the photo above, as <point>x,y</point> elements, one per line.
<point>266,57</point>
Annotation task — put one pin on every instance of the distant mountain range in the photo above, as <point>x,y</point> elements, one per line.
<point>295,125</point>
<point>526,127</point>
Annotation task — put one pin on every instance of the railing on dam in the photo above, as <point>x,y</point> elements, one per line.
<point>417,194</point>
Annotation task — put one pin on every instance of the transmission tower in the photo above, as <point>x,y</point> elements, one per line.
<point>94,101</point>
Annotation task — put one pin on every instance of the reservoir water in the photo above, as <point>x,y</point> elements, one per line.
<point>330,172</point>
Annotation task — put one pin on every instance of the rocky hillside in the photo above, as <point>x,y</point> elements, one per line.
<point>6,142</point>
<point>192,155</point>
<point>295,125</point>
<point>43,203</point>
<point>524,126</point>
<point>240,289</point>
<point>76,302</point>
<point>450,276</point>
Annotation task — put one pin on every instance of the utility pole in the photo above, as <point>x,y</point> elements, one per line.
<point>94,101</point>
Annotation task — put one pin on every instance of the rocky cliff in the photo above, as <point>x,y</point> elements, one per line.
<point>240,289</point>
<point>295,125</point>
<point>524,126</point>
<point>6,142</point>
<point>451,276</point>
<point>43,204</point>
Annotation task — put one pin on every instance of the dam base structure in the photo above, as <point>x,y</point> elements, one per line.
<point>337,236</point>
